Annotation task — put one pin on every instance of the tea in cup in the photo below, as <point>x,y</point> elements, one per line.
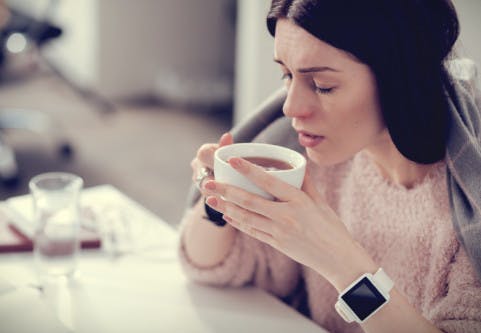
<point>284,163</point>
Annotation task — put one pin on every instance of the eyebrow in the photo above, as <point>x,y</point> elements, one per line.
<point>310,69</point>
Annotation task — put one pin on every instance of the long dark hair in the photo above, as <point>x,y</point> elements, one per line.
<point>405,43</point>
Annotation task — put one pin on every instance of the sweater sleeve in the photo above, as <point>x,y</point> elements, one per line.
<point>248,262</point>
<point>458,309</point>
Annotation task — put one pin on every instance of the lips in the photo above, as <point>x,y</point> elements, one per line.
<point>309,140</point>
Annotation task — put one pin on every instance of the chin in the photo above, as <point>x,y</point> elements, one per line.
<point>326,159</point>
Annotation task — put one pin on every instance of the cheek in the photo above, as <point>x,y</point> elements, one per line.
<point>367,115</point>
<point>367,122</point>
<point>359,124</point>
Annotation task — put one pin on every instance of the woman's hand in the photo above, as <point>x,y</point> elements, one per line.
<point>206,245</point>
<point>299,223</point>
<point>205,158</point>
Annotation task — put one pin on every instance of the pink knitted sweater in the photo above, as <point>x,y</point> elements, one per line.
<point>408,232</point>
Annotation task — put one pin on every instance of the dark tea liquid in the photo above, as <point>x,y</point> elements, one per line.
<point>269,164</point>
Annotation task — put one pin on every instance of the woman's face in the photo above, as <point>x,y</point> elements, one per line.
<point>332,98</point>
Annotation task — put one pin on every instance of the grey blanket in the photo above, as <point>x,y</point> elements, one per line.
<point>463,159</point>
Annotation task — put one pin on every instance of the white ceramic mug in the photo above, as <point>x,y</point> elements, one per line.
<point>224,173</point>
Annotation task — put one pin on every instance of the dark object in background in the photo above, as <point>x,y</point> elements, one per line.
<point>35,30</point>
<point>35,33</point>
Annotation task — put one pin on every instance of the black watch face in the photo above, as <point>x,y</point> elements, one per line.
<point>363,298</point>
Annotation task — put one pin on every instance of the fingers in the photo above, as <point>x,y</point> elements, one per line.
<point>202,189</point>
<point>205,158</point>
<point>226,139</point>
<point>205,154</point>
<point>253,232</point>
<point>240,197</point>
<point>198,178</point>
<point>251,223</point>
<point>266,181</point>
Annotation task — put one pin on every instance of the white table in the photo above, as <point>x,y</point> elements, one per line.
<point>144,291</point>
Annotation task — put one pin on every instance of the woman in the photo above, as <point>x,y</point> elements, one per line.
<point>380,119</point>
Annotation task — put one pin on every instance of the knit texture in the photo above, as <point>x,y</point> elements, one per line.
<point>408,232</point>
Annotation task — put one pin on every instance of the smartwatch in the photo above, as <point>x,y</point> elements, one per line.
<point>364,297</point>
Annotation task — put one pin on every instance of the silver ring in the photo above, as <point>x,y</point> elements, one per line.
<point>203,173</point>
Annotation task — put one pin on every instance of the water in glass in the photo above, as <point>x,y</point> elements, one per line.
<point>56,207</point>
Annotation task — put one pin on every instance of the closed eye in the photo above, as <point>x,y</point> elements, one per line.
<point>324,91</point>
<point>287,77</point>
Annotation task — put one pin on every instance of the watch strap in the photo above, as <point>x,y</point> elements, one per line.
<point>342,311</point>
<point>214,216</point>
<point>383,280</point>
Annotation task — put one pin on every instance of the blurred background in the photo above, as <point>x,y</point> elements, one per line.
<point>123,92</point>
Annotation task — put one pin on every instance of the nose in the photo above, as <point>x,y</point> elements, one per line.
<point>298,103</point>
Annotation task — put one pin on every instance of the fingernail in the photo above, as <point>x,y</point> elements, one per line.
<point>210,185</point>
<point>211,201</point>
<point>236,163</point>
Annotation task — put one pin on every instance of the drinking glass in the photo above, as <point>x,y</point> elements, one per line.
<point>56,215</point>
